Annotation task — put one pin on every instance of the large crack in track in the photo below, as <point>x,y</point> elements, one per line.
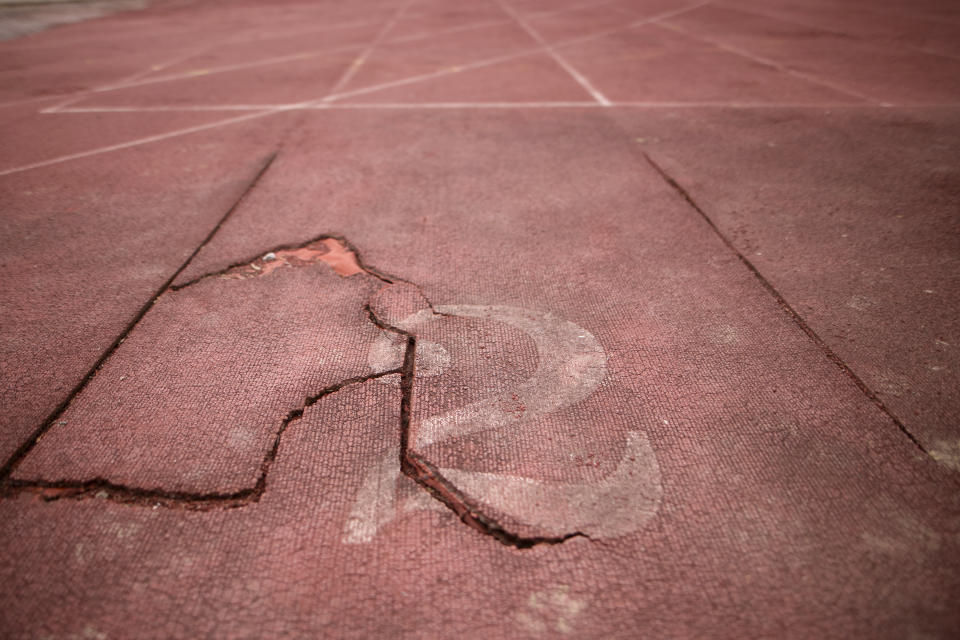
<point>345,259</point>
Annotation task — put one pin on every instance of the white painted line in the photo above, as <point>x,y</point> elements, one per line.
<point>433,74</point>
<point>147,140</point>
<point>200,73</point>
<point>134,80</point>
<point>151,69</point>
<point>513,56</point>
<point>813,79</point>
<point>130,81</point>
<point>741,105</point>
<point>358,62</point>
<point>180,108</point>
<point>257,35</point>
<point>430,34</point>
<point>461,105</point>
<point>799,23</point>
<point>14,103</point>
<point>493,23</point>
<point>314,105</point>
<point>576,75</point>
<point>594,104</point>
<point>323,102</point>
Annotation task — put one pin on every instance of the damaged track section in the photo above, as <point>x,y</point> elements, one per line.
<point>428,476</point>
<point>100,488</point>
<point>336,253</point>
<point>344,259</point>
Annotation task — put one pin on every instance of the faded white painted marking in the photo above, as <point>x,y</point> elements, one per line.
<point>809,77</point>
<point>137,79</point>
<point>550,610</point>
<point>468,105</point>
<point>142,141</point>
<point>178,108</point>
<point>513,56</point>
<point>570,365</point>
<point>616,505</point>
<point>947,453</point>
<point>354,66</point>
<point>375,503</point>
<point>386,353</point>
<point>559,59</point>
<point>76,97</point>
<point>333,97</point>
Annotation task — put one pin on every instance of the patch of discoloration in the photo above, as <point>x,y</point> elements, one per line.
<point>903,535</point>
<point>947,453</point>
<point>550,611</point>
<point>331,251</point>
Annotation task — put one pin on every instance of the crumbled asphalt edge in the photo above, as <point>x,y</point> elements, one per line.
<point>787,307</point>
<point>411,464</point>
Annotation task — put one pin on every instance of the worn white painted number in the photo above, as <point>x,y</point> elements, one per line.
<point>570,365</point>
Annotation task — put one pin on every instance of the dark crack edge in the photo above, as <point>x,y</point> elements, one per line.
<point>787,308</point>
<point>427,475</point>
<point>414,466</point>
<point>24,449</point>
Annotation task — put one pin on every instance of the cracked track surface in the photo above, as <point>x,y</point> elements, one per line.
<point>200,447</point>
<point>642,290</point>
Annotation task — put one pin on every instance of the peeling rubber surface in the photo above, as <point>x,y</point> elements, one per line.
<point>530,319</point>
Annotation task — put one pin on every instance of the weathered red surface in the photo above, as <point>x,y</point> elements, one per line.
<point>87,245</point>
<point>466,359</point>
<point>851,215</point>
<point>874,70</point>
<point>655,64</point>
<point>150,417</point>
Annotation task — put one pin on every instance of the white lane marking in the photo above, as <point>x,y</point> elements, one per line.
<point>329,98</point>
<point>559,59</point>
<point>513,56</point>
<point>76,97</point>
<point>239,66</point>
<point>375,502</point>
<point>134,81</point>
<point>358,62</point>
<point>570,365</point>
<point>809,77</point>
<point>142,141</point>
<point>492,105</point>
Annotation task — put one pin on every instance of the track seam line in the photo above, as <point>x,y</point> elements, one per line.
<point>786,306</point>
<point>17,456</point>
